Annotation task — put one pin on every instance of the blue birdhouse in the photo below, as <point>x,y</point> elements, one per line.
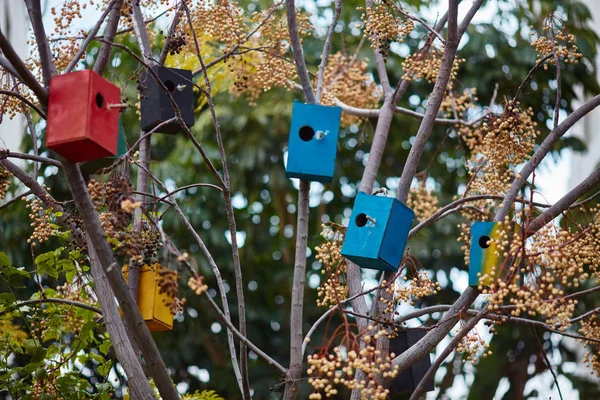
<point>312,146</point>
<point>408,380</point>
<point>377,232</point>
<point>486,256</point>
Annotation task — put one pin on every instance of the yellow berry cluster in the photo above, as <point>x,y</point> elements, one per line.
<point>471,345</point>
<point>417,287</point>
<point>333,290</point>
<point>197,285</point>
<point>457,106</point>
<point>328,370</point>
<point>41,221</point>
<point>427,67</point>
<point>70,319</point>
<point>422,201</point>
<point>556,41</point>
<point>45,387</point>
<point>221,20</point>
<point>348,80</point>
<point>383,25</point>
<point>590,328</point>
<point>4,182</point>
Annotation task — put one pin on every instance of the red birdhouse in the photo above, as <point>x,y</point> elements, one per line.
<point>82,125</point>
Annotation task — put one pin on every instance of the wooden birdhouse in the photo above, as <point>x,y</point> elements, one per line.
<point>408,380</point>
<point>377,232</point>
<point>82,124</point>
<point>312,145</point>
<point>153,305</point>
<point>486,257</point>
<point>155,105</point>
<point>97,166</point>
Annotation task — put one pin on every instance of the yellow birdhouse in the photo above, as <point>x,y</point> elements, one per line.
<point>154,306</point>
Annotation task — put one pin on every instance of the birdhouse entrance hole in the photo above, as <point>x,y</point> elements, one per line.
<point>99,100</point>
<point>361,220</point>
<point>170,85</point>
<point>484,242</point>
<point>307,133</point>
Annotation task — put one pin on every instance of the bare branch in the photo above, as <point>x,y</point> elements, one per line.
<point>326,46</point>
<point>89,38</point>
<point>295,370</point>
<point>109,36</point>
<point>297,52</point>
<point>57,301</point>
<point>541,152</point>
<point>131,313</point>
<point>22,71</point>
<point>173,28</point>
<point>564,203</point>
<point>24,100</point>
<point>35,15</point>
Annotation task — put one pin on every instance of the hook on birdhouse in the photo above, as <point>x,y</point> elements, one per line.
<point>121,106</point>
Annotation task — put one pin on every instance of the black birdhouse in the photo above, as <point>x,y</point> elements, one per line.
<point>408,380</point>
<point>156,107</point>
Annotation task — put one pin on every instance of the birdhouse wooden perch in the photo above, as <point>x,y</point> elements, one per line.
<point>82,125</point>
<point>486,257</point>
<point>408,380</point>
<point>155,105</point>
<point>312,145</point>
<point>97,166</point>
<point>377,232</point>
<point>154,306</point>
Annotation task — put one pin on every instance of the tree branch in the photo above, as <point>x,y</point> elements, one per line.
<point>326,46</point>
<point>290,10</point>
<point>109,36</point>
<point>22,71</point>
<point>35,15</point>
<point>90,36</point>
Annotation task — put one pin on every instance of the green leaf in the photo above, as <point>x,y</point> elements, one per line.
<point>104,369</point>
<point>4,261</point>
<point>105,347</point>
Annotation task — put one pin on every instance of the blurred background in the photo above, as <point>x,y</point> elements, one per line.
<point>498,51</point>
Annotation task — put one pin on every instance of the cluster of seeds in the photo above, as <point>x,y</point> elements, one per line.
<point>4,182</point>
<point>555,40</point>
<point>41,221</point>
<point>221,20</point>
<point>45,387</point>
<point>175,43</point>
<point>72,322</point>
<point>10,106</point>
<point>333,290</point>
<point>422,201</point>
<point>114,202</point>
<point>197,285</point>
<point>419,286</point>
<point>328,370</point>
<point>457,106</point>
<point>168,285</point>
<point>258,72</point>
<point>347,79</point>
<point>471,345</point>
<point>590,328</point>
<point>383,25</point>
<point>427,67</point>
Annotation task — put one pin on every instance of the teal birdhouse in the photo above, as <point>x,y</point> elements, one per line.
<point>377,232</point>
<point>312,146</point>
<point>96,166</point>
<point>486,255</point>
